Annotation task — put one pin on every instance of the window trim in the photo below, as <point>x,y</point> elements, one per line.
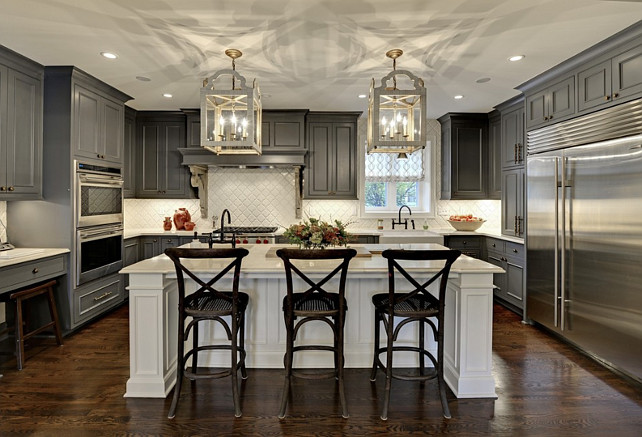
<point>429,180</point>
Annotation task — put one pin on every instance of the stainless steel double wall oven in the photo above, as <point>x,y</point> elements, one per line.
<point>98,194</point>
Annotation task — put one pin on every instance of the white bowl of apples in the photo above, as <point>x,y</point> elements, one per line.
<point>466,222</point>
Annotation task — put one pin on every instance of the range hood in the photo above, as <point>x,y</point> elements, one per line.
<point>200,156</point>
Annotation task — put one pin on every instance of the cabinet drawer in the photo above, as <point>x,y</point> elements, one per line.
<point>97,298</point>
<point>464,242</point>
<point>514,250</point>
<point>22,275</point>
<point>495,245</point>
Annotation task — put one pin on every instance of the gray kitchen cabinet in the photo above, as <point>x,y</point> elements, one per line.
<point>99,122</point>
<point>464,156</point>
<point>470,245</point>
<point>283,130</point>
<point>129,153</point>
<point>167,242</point>
<point>509,286</point>
<point>21,127</point>
<point>192,127</point>
<point>495,155</point>
<point>96,297</point>
<point>610,81</point>
<point>131,251</point>
<point>513,188</point>
<point>331,170</point>
<point>159,163</point>
<point>552,104</point>
<point>150,247</point>
<point>513,147</point>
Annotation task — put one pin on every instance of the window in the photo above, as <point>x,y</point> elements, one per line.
<point>390,182</point>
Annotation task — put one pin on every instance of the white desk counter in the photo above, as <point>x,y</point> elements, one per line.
<point>153,300</point>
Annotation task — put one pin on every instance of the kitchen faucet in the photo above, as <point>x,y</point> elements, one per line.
<point>405,221</point>
<point>229,220</point>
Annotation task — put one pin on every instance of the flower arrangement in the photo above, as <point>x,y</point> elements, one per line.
<point>316,234</point>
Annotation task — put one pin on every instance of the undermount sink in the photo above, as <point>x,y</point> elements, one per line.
<point>410,236</point>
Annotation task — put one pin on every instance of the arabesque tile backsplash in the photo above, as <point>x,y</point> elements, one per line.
<point>266,197</point>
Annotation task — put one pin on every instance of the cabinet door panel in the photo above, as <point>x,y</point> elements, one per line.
<point>512,199</point>
<point>536,109</point>
<point>87,118</point>
<point>562,99</point>
<point>468,162</point>
<point>129,156</point>
<point>514,283</point>
<point>495,159</point>
<point>627,73</point>
<point>23,140</point>
<point>112,128</point>
<point>287,134</point>
<point>594,85</point>
<point>151,153</point>
<point>344,159</point>
<point>320,158</point>
<point>174,170</point>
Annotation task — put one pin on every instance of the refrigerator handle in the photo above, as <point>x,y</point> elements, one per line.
<point>563,248</point>
<point>556,251</point>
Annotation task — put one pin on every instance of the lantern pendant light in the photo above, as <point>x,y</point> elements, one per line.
<point>396,116</point>
<point>231,118</point>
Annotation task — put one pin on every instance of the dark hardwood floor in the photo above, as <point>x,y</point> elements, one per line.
<point>544,388</point>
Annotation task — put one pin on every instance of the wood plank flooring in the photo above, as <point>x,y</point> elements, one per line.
<point>544,388</point>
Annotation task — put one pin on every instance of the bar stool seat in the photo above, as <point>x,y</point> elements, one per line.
<point>21,296</point>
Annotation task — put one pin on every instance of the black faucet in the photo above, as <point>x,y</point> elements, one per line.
<point>405,221</point>
<point>229,220</point>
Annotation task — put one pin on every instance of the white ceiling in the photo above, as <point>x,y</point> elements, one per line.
<point>312,54</point>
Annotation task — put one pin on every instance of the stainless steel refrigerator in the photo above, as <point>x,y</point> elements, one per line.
<point>584,233</point>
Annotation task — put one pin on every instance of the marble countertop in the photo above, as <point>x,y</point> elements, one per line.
<point>258,263</point>
<point>21,255</point>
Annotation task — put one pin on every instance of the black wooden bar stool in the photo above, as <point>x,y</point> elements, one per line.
<point>315,304</point>
<point>209,303</point>
<point>397,309</point>
<point>22,295</point>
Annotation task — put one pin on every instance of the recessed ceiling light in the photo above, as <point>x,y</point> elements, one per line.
<point>483,80</point>
<point>168,95</point>
<point>458,97</point>
<point>143,78</point>
<point>109,55</point>
<point>516,58</point>
<point>362,96</point>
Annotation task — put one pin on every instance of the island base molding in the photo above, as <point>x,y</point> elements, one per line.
<point>153,301</point>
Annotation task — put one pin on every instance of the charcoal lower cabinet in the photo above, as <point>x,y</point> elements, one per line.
<point>464,156</point>
<point>509,286</point>
<point>513,191</point>
<point>150,247</point>
<point>331,171</point>
<point>470,245</point>
<point>161,173</point>
<point>94,298</point>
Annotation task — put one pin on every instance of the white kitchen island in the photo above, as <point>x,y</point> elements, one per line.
<point>153,316</point>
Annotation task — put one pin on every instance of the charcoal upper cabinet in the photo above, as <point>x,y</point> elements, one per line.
<point>552,104</point>
<point>464,155</point>
<point>129,153</point>
<point>192,127</point>
<point>513,148</point>
<point>610,81</point>
<point>331,170</point>
<point>160,173</point>
<point>20,127</point>
<point>494,155</point>
<point>283,130</point>
<point>99,123</point>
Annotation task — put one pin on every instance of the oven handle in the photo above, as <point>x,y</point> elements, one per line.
<point>96,234</point>
<point>100,180</point>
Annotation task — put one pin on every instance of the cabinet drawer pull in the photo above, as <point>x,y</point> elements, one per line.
<point>3,188</point>
<point>11,188</point>
<point>514,153</point>
<point>545,118</point>
<point>616,95</point>
<point>607,98</point>
<point>514,250</point>
<point>494,245</point>
<point>102,296</point>
<point>35,270</point>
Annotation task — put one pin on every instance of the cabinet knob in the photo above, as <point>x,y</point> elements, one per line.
<point>514,250</point>
<point>545,118</point>
<point>616,95</point>
<point>11,188</point>
<point>607,98</point>
<point>35,270</point>
<point>550,117</point>
<point>464,242</point>
<point>493,244</point>
<point>3,188</point>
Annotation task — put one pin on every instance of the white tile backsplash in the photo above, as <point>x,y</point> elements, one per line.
<point>3,217</point>
<point>266,197</point>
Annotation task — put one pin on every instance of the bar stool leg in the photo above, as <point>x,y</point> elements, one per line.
<point>422,358</point>
<point>54,316</point>
<point>242,345</point>
<point>389,325</point>
<point>235,376</point>
<point>373,374</point>
<point>20,346</point>
<point>288,366</point>
<point>180,366</point>
<point>339,352</point>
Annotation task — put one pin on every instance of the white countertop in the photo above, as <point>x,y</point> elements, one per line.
<point>21,255</point>
<point>257,262</point>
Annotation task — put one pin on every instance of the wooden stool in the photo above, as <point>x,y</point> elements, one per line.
<point>21,336</point>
